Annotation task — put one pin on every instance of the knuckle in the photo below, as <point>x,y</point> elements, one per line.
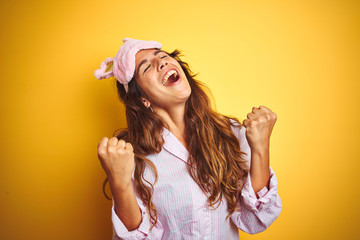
<point>120,150</point>
<point>263,107</point>
<point>99,147</point>
<point>104,139</point>
<point>101,152</point>
<point>111,149</point>
<point>127,152</point>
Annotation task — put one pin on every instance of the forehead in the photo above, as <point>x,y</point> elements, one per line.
<point>143,54</point>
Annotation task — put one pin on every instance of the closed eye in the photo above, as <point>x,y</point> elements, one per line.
<point>146,68</point>
<point>150,64</point>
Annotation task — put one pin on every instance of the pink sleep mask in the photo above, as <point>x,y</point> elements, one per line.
<point>124,62</point>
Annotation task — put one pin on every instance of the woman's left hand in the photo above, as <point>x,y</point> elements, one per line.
<point>259,125</point>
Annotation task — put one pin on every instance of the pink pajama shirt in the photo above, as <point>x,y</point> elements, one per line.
<point>182,206</point>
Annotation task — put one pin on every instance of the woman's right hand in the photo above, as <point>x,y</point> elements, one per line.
<point>117,159</point>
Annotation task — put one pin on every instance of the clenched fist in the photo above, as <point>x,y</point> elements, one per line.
<point>259,125</point>
<point>117,159</point>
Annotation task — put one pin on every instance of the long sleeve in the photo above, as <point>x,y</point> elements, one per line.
<point>142,232</point>
<point>256,214</point>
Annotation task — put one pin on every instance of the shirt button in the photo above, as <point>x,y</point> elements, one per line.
<point>204,209</point>
<point>205,238</point>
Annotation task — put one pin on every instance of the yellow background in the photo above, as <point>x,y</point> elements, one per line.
<point>299,58</point>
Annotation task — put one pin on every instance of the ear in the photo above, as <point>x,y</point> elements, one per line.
<point>146,103</point>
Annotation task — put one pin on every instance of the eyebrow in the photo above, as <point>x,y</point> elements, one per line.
<point>145,60</point>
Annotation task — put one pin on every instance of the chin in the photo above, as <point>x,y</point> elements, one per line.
<point>186,95</point>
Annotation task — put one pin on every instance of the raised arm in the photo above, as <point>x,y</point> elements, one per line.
<point>129,216</point>
<point>259,125</point>
<point>117,159</point>
<point>258,200</point>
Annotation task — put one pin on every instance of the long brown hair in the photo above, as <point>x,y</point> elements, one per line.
<point>215,163</point>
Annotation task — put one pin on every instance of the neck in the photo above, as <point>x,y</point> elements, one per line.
<point>175,119</point>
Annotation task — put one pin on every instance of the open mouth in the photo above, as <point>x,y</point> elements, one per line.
<point>170,78</point>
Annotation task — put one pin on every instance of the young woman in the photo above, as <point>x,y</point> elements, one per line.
<point>182,170</point>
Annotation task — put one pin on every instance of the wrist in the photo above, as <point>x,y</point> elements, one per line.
<point>119,186</point>
<point>260,150</point>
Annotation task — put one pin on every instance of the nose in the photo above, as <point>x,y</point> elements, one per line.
<point>162,63</point>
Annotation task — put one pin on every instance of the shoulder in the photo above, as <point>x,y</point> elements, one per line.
<point>237,127</point>
<point>240,133</point>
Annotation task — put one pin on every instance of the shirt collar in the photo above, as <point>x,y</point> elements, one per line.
<point>174,146</point>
